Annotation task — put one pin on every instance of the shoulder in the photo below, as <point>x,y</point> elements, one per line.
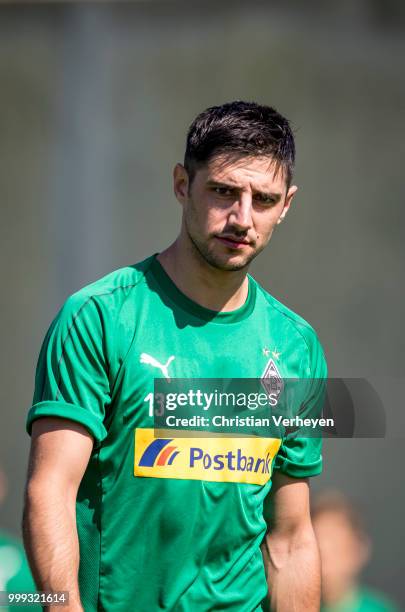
<point>119,282</point>
<point>376,601</point>
<point>100,315</point>
<point>289,317</point>
<point>109,292</point>
<point>295,326</point>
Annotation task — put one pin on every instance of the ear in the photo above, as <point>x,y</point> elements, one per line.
<point>180,183</point>
<point>287,202</point>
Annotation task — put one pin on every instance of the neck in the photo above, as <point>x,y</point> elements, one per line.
<point>219,290</point>
<point>339,593</point>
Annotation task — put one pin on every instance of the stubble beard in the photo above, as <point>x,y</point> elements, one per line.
<point>216,261</point>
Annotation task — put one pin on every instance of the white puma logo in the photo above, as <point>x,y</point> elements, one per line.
<point>145,358</point>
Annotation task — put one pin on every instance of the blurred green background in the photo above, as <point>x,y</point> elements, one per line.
<point>95,101</point>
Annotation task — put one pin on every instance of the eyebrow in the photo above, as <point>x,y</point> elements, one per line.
<point>276,196</point>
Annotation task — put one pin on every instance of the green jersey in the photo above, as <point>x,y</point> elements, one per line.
<point>362,599</point>
<point>15,574</point>
<point>158,531</point>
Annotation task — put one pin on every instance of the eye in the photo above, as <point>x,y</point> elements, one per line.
<point>223,191</point>
<point>265,200</point>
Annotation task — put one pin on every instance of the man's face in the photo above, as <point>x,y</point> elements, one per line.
<point>232,207</point>
<point>343,552</point>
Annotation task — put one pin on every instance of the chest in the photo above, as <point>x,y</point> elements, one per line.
<point>168,346</point>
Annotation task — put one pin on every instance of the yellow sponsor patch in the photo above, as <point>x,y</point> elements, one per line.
<point>219,459</point>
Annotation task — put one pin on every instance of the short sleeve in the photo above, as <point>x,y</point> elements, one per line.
<point>301,457</point>
<point>72,373</point>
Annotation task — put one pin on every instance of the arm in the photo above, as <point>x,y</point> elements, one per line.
<point>290,550</point>
<point>60,451</point>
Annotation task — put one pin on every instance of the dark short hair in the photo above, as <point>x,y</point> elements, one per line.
<point>240,129</point>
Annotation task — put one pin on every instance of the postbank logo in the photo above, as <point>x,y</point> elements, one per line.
<point>216,459</point>
<point>158,452</point>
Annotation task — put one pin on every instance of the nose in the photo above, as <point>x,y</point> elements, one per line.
<point>240,215</point>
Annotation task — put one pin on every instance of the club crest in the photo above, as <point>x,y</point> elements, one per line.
<point>271,379</point>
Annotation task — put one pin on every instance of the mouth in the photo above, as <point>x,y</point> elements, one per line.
<point>233,242</point>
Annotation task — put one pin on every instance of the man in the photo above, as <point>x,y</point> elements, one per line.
<point>112,516</point>
<point>345,550</point>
